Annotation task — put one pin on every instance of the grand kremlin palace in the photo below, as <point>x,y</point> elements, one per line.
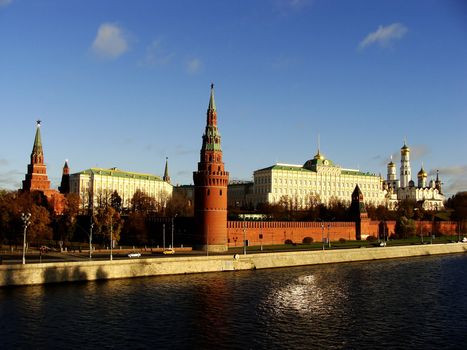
<point>318,178</point>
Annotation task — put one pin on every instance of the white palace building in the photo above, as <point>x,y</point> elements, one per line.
<point>91,183</point>
<point>319,179</point>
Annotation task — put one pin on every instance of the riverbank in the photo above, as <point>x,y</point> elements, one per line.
<point>29,274</point>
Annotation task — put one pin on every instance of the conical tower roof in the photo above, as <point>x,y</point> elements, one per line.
<point>37,147</point>
<point>212,103</point>
<point>166,170</point>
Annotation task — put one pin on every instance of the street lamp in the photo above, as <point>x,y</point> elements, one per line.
<point>172,246</point>
<point>244,237</point>
<point>90,239</point>
<point>25,218</point>
<point>111,238</point>
<point>329,236</point>
<point>322,234</point>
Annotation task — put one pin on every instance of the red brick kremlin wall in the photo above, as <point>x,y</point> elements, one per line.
<point>277,232</point>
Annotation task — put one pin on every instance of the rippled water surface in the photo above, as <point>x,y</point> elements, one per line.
<point>405,304</point>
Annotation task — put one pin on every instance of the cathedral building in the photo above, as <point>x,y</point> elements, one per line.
<point>318,180</point>
<point>428,194</point>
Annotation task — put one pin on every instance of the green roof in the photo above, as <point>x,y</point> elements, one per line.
<point>286,167</point>
<point>305,170</point>
<point>119,173</point>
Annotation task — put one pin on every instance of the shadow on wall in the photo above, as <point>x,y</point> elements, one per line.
<point>63,274</point>
<point>7,277</point>
<point>57,275</point>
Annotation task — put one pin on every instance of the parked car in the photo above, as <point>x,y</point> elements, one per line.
<point>134,255</point>
<point>168,251</point>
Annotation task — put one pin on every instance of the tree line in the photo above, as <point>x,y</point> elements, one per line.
<point>105,214</point>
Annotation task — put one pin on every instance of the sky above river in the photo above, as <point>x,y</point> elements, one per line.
<point>120,83</point>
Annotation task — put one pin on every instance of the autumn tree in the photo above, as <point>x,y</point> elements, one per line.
<point>142,202</point>
<point>107,223</point>
<point>65,224</point>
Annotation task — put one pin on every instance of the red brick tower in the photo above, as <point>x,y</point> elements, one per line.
<point>36,178</point>
<point>211,187</point>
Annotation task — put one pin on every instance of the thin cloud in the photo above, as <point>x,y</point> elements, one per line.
<point>9,179</point>
<point>416,152</point>
<point>110,42</point>
<point>454,178</point>
<point>193,66</point>
<point>5,3</point>
<point>156,54</point>
<point>384,36</point>
<point>286,6</point>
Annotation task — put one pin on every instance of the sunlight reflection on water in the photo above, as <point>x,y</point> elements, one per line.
<point>362,305</point>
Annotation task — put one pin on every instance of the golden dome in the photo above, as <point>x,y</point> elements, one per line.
<point>422,173</point>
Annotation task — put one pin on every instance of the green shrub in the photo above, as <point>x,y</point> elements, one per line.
<point>371,238</point>
<point>307,240</point>
<point>342,240</point>
<point>288,241</point>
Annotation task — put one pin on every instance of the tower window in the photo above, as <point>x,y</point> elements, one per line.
<point>209,191</point>
<point>220,192</point>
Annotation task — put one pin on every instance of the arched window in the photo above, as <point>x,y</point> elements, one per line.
<point>220,192</point>
<point>209,191</point>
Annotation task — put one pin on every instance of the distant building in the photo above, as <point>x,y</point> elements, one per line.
<point>36,178</point>
<point>240,194</point>
<point>91,184</point>
<point>318,180</point>
<point>428,194</point>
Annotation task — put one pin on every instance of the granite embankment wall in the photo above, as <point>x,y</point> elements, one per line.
<point>93,270</point>
<point>277,232</point>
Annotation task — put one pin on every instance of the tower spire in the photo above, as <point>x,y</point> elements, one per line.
<point>212,103</point>
<point>166,177</point>
<point>37,152</point>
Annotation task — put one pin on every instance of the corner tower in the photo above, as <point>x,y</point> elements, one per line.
<point>211,181</point>
<point>36,178</point>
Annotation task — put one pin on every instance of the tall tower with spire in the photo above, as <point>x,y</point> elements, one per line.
<point>166,176</point>
<point>36,178</point>
<point>406,172</point>
<point>211,181</point>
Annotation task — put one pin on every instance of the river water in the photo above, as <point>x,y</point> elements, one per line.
<point>416,303</point>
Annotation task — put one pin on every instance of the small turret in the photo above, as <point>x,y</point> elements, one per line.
<point>65,183</point>
<point>438,182</point>
<point>166,176</point>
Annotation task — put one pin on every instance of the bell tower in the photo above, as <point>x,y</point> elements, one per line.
<point>211,181</point>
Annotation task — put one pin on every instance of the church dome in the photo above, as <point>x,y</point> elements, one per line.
<point>422,173</point>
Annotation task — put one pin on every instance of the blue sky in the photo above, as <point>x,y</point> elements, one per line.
<point>126,83</point>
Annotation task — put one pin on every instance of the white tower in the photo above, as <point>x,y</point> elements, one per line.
<point>406,172</point>
<point>391,171</point>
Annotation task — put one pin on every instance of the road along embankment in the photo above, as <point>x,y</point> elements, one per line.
<point>30,274</point>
